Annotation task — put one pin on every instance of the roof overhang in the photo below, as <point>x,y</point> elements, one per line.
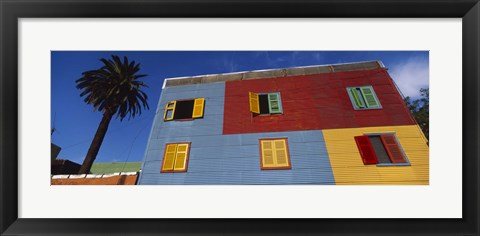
<point>272,73</point>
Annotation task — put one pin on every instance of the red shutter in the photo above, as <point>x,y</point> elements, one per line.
<point>393,150</point>
<point>366,150</point>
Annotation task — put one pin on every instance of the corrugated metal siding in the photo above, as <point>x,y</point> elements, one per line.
<point>314,102</point>
<point>217,158</point>
<point>112,167</point>
<point>238,161</point>
<point>228,159</point>
<point>348,167</point>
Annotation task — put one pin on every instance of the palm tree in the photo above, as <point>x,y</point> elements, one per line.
<point>112,89</point>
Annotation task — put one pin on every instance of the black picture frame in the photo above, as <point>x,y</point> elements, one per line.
<point>11,11</point>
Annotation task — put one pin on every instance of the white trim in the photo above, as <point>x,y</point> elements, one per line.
<point>92,176</point>
<point>164,83</point>
<point>60,176</point>
<point>381,64</point>
<point>128,173</point>
<point>77,176</point>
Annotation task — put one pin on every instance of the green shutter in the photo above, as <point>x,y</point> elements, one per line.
<point>369,96</point>
<point>357,102</point>
<point>274,103</point>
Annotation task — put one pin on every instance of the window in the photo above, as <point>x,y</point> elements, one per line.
<point>184,109</point>
<point>175,158</point>
<point>274,154</point>
<point>265,103</point>
<point>381,149</point>
<point>363,98</point>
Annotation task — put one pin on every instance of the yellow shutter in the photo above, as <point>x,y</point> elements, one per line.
<point>267,153</point>
<point>198,108</point>
<point>169,158</point>
<point>254,103</point>
<point>169,110</point>
<point>181,160</point>
<point>281,155</point>
<point>274,154</point>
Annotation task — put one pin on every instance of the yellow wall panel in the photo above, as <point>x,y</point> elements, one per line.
<point>349,169</point>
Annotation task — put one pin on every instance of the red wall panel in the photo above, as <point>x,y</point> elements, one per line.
<point>314,102</point>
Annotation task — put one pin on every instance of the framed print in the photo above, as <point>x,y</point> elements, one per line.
<point>44,42</point>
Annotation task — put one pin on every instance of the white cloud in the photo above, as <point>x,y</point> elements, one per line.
<point>230,64</point>
<point>318,57</point>
<point>411,76</point>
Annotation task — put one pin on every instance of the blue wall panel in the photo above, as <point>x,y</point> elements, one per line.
<point>228,159</point>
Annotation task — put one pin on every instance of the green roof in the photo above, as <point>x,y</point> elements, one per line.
<point>114,167</point>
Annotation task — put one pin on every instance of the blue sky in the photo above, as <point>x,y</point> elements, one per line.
<point>76,122</point>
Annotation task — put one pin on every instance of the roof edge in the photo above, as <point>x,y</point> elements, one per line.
<point>272,73</point>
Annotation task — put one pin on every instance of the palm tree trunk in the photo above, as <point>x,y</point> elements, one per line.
<point>96,143</point>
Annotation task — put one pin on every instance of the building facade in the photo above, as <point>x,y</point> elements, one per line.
<point>101,173</point>
<point>330,124</point>
<point>123,178</point>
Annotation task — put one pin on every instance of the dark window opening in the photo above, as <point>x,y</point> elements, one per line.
<point>360,96</point>
<point>380,151</point>
<point>263,101</point>
<point>183,109</point>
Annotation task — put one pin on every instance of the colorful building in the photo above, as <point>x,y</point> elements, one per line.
<point>102,173</point>
<point>328,124</point>
<point>124,178</point>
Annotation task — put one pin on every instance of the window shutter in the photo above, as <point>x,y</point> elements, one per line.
<point>198,108</point>
<point>356,99</point>
<point>169,158</point>
<point>366,150</point>
<point>254,103</point>
<point>369,97</point>
<point>274,103</point>
<point>393,150</point>
<point>181,157</point>
<point>281,155</point>
<point>267,153</point>
<point>169,110</point>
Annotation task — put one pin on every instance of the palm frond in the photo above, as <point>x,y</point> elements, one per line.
<point>114,87</point>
